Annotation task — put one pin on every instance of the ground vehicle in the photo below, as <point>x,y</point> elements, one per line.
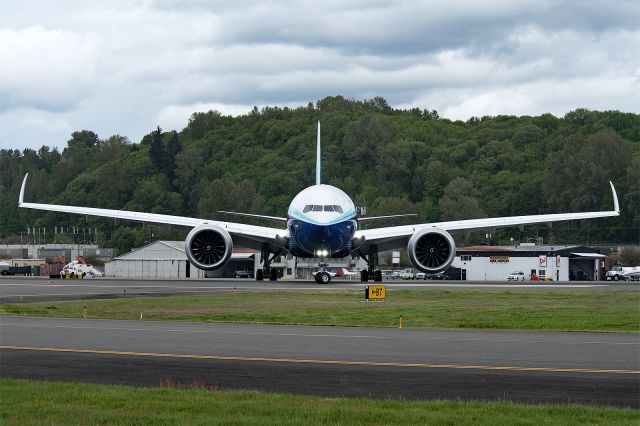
<point>407,274</point>
<point>245,273</point>
<point>77,268</point>
<point>442,275</point>
<point>632,276</point>
<point>516,276</point>
<point>620,272</point>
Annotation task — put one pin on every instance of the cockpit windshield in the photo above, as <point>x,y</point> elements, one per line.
<point>318,208</point>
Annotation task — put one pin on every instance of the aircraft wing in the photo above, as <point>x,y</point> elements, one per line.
<point>397,236</point>
<point>250,236</point>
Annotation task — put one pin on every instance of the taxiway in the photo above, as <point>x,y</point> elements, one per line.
<point>34,289</point>
<point>593,368</point>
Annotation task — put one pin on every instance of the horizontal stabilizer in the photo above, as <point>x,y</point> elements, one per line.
<point>365,219</point>
<point>257,216</point>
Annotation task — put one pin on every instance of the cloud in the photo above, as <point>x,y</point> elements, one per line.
<point>124,67</point>
<point>177,116</point>
<point>46,69</point>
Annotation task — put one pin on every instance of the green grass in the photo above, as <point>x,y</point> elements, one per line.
<point>33,402</point>
<point>422,308</point>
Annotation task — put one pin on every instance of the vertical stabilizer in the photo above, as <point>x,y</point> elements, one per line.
<point>318,180</point>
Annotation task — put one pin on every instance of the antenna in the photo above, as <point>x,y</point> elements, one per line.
<point>318,180</point>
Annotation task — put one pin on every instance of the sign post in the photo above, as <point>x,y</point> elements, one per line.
<point>375,292</point>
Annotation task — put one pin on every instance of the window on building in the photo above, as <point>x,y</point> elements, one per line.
<point>289,271</point>
<point>465,258</point>
<point>541,273</point>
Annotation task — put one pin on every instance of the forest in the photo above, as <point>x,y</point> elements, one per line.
<point>388,160</point>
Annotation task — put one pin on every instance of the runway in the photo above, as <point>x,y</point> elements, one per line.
<point>593,368</point>
<point>33,289</point>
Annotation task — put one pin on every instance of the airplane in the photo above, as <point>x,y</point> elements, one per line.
<point>322,222</point>
<point>344,272</point>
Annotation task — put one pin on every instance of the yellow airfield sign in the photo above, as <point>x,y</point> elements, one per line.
<point>375,292</point>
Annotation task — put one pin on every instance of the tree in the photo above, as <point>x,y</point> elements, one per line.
<point>174,146</point>
<point>157,152</point>
<point>460,201</point>
<point>578,173</point>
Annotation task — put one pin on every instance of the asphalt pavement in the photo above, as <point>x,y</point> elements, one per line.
<point>593,368</point>
<point>33,289</point>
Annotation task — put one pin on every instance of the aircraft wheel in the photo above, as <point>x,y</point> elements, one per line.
<point>259,275</point>
<point>323,278</point>
<point>273,274</point>
<point>377,276</point>
<point>364,275</point>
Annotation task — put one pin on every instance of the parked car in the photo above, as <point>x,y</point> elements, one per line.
<point>244,274</point>
<point>516,276</point>
<point>407,274</point>
<point>442,275</point>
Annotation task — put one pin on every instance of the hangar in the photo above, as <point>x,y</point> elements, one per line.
<point>167,259</point>
<point>556,263</point>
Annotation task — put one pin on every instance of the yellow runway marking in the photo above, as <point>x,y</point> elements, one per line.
<point>324,362</point>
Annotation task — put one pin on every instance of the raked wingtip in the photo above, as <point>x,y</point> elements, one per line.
<point>24,182</point>
<point>616,204</point>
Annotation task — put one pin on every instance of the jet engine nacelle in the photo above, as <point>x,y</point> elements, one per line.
<point>431,250</point>
<point>208,247</point>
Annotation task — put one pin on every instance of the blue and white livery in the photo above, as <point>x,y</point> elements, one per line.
<point>322,222</point>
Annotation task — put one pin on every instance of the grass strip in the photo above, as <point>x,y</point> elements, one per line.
<point>421,308</point>
<point>26,402</point>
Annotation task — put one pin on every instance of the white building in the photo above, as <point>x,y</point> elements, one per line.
<point>558,263</point>
<point>167,259</point>
<point>303,268</point>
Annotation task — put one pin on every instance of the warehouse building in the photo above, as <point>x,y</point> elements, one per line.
<point>167,259</point>
<point>555,263</point>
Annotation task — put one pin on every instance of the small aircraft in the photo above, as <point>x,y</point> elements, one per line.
<point>322,222</point>
<point>344,272</point>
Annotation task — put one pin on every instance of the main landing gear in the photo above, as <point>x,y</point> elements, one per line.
<point>372,272</point>
<point>267,270</point>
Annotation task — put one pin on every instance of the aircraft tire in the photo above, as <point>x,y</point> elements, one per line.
<point>273,274</point>
<point>323,278</point>
<point>259,275</point>
<point>377,276</point>
<point>364,275</point>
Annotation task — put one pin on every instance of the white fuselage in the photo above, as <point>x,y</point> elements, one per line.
<point>321,220</point>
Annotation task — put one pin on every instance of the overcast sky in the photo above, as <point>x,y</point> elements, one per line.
<point>124,67</point>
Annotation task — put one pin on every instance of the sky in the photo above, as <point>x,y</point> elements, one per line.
<point>124,67</point>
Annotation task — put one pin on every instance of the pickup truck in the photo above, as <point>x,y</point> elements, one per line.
<point>618,273</point>
<point>407,274</point>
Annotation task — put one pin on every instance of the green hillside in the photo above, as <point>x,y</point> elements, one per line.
<point>389,160</point>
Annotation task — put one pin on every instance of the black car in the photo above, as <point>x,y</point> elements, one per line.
<point>437,276</point>
<point>244,274</point>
